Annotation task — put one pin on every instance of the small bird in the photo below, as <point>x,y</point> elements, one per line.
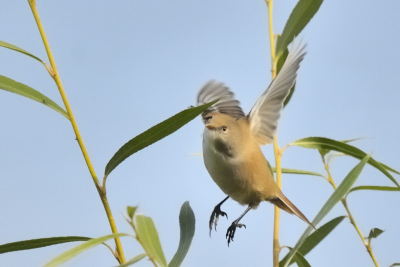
<point>232,140</point>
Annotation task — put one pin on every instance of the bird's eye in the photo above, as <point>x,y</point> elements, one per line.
<point>224,128</point>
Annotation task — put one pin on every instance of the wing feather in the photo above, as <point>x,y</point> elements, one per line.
<point>227,104</point>
<point>266,112</point>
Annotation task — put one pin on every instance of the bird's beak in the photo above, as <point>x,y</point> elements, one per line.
<point>210,127</point>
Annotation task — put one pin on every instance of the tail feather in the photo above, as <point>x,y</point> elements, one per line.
<point>285,204</point>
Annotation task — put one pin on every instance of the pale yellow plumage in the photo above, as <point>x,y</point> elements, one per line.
<point>232,140</point>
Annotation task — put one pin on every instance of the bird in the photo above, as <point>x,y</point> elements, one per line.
<point>232,142</point>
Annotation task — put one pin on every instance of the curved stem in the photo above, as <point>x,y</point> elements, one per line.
<point>353,222</point>
<point>55,75</point>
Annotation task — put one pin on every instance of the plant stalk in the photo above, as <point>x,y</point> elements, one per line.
<point>353,222</point>
<point>277,150</point>
<point>55,75</point>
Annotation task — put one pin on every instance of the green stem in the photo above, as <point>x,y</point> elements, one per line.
<point>353,222</point>
<point>55,75</point>
<point>277,150</point>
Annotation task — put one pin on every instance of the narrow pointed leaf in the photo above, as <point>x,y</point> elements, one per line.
<point>374,233</point>
<point>301,15</point>
<point>133,260</point>
<point>148,236</point>
<point>154,134</point>
<point>16,48</point>
<point>79,249</point>
<point>187,224</point>
<point>315,238</point>
<point>330,144</point>
<point>39,243</point>
<point>294,171</point>
<point>395,264</point>
<point>131,211</point>
<point>388,168</point>
<point>299,259</point>
<point>339,193</point>
<point>373,187</point>
<point>352,140</point>
<point>15,87</point>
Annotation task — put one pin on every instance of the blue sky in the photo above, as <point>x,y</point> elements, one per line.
<point>128,65</point>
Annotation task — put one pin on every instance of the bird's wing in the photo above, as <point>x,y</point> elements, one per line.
<point>266,112</point>
<point>227,104</point>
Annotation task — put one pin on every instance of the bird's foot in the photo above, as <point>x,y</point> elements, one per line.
<point>230,233</point>
<point>215,216</point>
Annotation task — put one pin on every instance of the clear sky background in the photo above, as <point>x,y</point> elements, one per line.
<point>127,65</point>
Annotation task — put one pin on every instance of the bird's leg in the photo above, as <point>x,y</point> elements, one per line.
<point>230,233</point>
<point>215,215</point>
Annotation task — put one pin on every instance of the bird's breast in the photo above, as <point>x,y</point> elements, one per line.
<point>229,170</point>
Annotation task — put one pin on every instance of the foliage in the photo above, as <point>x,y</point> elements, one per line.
<point>143,226</point>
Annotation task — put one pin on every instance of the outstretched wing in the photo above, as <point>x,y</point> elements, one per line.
<point>227,104</point>
<point>266,112</point>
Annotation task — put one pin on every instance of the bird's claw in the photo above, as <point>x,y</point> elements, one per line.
<point>215,216</point>
<point>230,233</point>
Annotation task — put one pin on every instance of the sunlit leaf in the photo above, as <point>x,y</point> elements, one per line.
<point>339,193</point>
<point>79,249</point>
<point>133,260</point>
<point>301,15</point>
<point>326,143</point>
<point>16,48</point>
<point>39,243</point>
<point>148,236</point>
<point>373,187</point>
<point>131,211</point>
<point>187,225</point>
<point>294,171</point>
<point>315,238</point>
<point>155,134</point>
<point>15,87</point>
<point>374,233</point>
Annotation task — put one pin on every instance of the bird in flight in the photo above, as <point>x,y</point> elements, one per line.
<point>232,140</point>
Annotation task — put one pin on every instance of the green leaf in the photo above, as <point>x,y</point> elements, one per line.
<point>148,236</point>
<point>323,153</point>
<point>294,171</point>
<point>299,259</point>
<point>16,48</point>
<point>131,211</point>
<point>326,143</point>
<point>155,134</point>
<point>187,225</point>
<point>133,260</point>
<point>339,193</point>
<point>373,187</point>
<point>15,87</point>
<point>79,249</point>
<point>39,243</point>
<point>374,233</point>
<point>315,238</point>
<point>301,15</point>
<point>352,140</point>
<point>395,264</point>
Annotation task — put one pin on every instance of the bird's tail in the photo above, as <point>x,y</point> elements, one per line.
<point>285,204</point>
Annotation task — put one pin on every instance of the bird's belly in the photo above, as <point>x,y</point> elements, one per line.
<point>227,173</point>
